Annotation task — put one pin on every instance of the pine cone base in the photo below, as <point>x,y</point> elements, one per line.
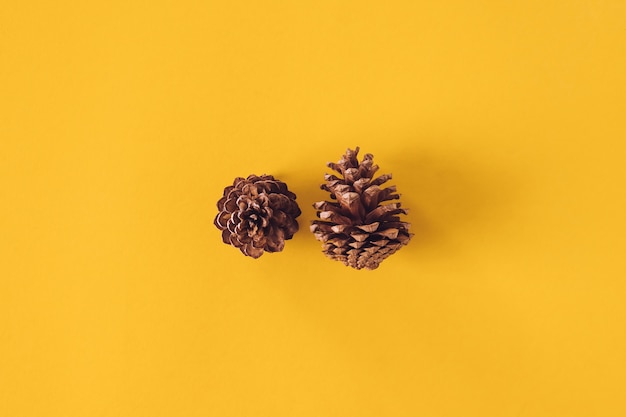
<point>257,214</point>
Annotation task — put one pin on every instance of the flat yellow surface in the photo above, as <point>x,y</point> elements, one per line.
<point>503,123</point>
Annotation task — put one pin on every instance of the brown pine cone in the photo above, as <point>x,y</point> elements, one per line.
<point>257,214</point>
<point>356,228</point>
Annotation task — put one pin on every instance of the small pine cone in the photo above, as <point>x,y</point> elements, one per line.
<point>356,228</point>
<point>257,214</point>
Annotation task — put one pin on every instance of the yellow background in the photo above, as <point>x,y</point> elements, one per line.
<point>501,121</point>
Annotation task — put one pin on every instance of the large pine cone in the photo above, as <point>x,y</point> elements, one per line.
<point>355,228</point>
<point>257,214</point>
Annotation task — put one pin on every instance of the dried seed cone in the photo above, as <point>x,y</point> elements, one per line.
<point>356,228</point>
<point>257,214</point>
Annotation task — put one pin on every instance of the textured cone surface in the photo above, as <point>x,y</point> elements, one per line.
<point>359,227</point>
<point>257,214</point>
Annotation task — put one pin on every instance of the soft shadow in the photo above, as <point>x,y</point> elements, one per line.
<point>450,195</point>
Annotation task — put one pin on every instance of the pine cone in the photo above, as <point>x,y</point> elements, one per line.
<point>355,228</point>
<point>257,214</point>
